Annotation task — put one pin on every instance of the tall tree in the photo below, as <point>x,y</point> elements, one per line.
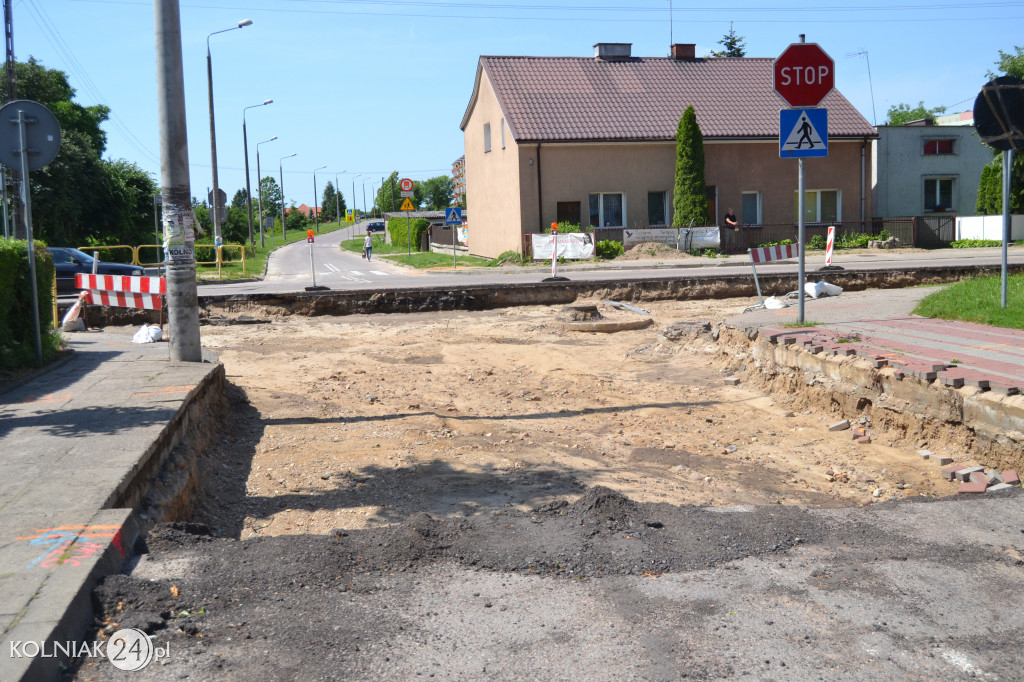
<point>900,114</point>
<point>238,201</point>
<point>732,44</point>
<point>271,193</point>
<point>1010,63</point>
<point>389,196</point>
<point>437,192</point>
<point>327,203</point>
<point>689,199</point>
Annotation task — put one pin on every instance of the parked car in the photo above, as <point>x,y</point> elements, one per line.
<point>375,226</point>
<point>69,262</point>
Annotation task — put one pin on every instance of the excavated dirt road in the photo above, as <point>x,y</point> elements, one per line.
<point>491,496</point>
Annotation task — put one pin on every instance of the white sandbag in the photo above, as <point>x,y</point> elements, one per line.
<point>830,289</point>
<point>72,321</point>
<point>814,289</point>
<point>772,303</point>
<point>148,333</point>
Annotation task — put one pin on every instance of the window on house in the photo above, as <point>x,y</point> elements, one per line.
<point>502,133</point>
<point>487,137</point>
<point>820,206</point>
<point>938,194</point>
<point>750,211</point>
<point>607,209</point>
<point>932,147</point>
<point>657,208</point>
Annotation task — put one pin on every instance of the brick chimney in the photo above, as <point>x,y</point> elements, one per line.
<point>612,52</point>
<point>684,51</point>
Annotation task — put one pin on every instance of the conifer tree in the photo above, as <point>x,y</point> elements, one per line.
<point>689,199</point>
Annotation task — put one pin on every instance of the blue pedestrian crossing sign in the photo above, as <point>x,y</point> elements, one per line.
<point>803,133</point>
<point>453,216</point>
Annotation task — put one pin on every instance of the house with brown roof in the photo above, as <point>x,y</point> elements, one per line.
<point>592,140</point>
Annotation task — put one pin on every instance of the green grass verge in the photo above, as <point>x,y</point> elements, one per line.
<point>978,300</point>
<point>419,259</point>
<point>255,257</point>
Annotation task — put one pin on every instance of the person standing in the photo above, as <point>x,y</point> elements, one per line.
<point>730,220</point>
<point>367,246</point>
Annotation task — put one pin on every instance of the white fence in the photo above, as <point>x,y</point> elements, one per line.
<point>989,227</point>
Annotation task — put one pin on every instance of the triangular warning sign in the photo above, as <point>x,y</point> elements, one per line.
<point>804,136</point>
<point>407,205</point>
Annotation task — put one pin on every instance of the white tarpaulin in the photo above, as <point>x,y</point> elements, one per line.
<point>574,245</point>
<point>682,238</point>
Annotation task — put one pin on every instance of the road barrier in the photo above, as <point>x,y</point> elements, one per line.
<point>124,292</point>
<point>767,254</point>
<point>219,260</point>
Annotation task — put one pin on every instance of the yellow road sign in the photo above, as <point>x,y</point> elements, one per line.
<point>407,205</point>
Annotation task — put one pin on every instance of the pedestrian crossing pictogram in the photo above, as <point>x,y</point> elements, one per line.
<point>803,133</point>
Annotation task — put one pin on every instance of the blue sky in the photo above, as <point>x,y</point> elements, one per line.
<point>372,86</point>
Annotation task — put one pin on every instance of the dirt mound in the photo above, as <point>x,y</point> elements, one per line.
<point>605,504</point>
<point>648,250</point>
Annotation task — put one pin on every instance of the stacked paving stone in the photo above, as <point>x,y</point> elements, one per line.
<point>908,360</point>
<point>977,479</point>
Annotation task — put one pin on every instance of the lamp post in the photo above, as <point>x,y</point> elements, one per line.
<point>337,197</point>
<point>354,213</point>
<point>213,132</point>
<point>316,209</point>
<point>259,186</point>
<point>364,195</point>
<point>248,191</point>
<point>280,175</point>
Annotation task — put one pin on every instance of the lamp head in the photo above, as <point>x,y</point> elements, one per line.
<point>244,22</point>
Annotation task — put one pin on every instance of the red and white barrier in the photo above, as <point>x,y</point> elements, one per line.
<point>767,254</point>
<point>830,244</point>
<point>123,292</point>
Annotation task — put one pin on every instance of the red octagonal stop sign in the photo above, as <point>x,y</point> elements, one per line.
<point>803,74</point>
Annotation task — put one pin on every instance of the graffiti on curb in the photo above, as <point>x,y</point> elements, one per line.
<point>71,545</point>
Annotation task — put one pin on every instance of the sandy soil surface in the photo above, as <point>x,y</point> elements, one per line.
<point>359,421</point>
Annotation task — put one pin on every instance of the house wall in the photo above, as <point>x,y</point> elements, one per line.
<point>902,168</point>
<point>492,180</point>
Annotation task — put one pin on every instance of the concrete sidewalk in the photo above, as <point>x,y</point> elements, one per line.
<point>77,442</point>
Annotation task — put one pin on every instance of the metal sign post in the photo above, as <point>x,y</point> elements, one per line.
<point>453,217</point>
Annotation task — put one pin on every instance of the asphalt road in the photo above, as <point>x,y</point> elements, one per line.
<point>289,270</point>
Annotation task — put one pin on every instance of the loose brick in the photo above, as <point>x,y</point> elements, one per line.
<point>964,474</point>
<point>993,477</point>
<point>858,432</point>
<point>954,382</point>
<point>925,454</point>
<point>979,477</point>
<point>949,472</point>
<point>998,486</point>
<point>972,488</point>
<point>864,440</point>
<point>840,426</point>
<point>1010,477</point>
<point>942,460</point>
<point>731,381</point>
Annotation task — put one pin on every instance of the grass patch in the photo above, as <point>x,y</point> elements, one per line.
<point>255,257</point>
<point>807,323</point>
<point>978,300</point>
<point>419,259</point>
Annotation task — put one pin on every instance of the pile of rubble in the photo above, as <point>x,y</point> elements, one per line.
<point>978,479</point>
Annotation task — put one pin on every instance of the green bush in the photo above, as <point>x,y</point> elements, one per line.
<point>784,242</point>
<point>507,258</point>
<point>817,243</point>
<point>975,243</point>
<point>397,228</point>
<point>854,240</point>
<point>566,228</point>
<point>17,327</point>
<point>608,249</point>
<point>705,253</point>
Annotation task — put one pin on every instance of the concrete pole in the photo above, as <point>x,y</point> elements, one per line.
<point>179,235</point>
<point>1007,172</point>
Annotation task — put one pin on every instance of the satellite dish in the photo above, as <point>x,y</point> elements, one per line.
<point>42,135</point>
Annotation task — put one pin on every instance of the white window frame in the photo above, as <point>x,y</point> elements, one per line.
<point>487,137</point>
<point>817,203</point>
<point>600,208</point>
<point>930,202</point>
<point>757,218</point>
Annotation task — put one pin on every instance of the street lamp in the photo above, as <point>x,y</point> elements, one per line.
<point>316,209</point>
<point>337,197</point>
<point>259,185</point>
<point>248,191</point>
<point>354,213</point>
<point>280,175</point>
<point>213,131</point>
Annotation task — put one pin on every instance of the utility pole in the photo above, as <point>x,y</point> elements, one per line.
<point>179,232</point>
<point>12,176</point>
